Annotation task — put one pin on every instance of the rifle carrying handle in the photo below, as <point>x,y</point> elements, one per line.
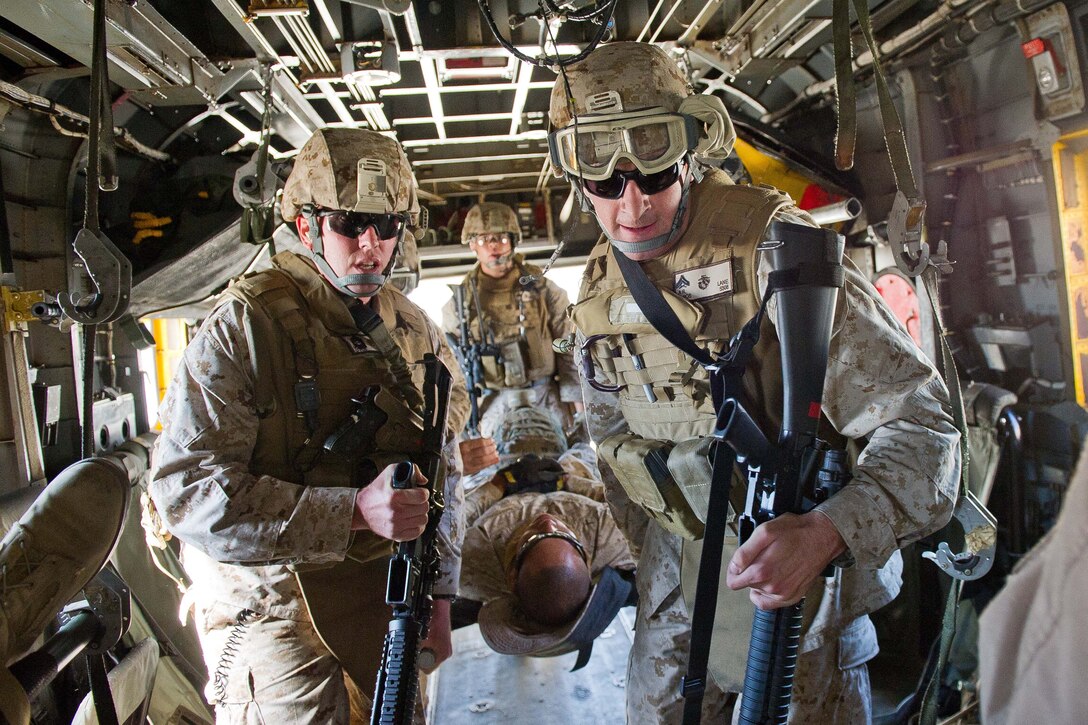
<point>403,476</point>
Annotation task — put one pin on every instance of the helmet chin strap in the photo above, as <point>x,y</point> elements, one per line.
<point>501,261</point>
<point>661,240</point>
<point>341,283</point>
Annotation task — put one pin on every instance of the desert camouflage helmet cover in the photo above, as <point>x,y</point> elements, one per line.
<point>642,74</point>
<point>326,173</point>
<point>490,217</point>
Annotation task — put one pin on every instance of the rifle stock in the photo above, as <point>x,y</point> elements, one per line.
<point>414,567</point>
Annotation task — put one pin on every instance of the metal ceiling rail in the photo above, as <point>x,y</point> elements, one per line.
<point>533,135</point>
<point>759,34</point>
<point>481,159</point>
<point>478,88</point>
<point>521,94</point>
<point>696,26</point>
<point>430,76</point>
<point>480,177</point>
<point>464,118</point>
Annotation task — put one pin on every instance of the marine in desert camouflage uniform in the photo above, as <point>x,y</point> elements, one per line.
<point>240,475</point>
<point>694,233</point>
<point>510,304</point>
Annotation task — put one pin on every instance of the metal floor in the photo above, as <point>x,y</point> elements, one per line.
<point>478,686</point>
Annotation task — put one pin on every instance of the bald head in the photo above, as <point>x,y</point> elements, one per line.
<point>553,582</point>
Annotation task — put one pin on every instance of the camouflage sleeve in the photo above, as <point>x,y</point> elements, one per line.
<point>200,480</point>
<point>880,385</point>
<point>559,326</point>
<point>451,529</point>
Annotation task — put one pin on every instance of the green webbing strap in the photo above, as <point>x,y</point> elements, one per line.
<point>908,211</point>
<point>948,622</point>
<point>845,92</point>
<point>370,324</point>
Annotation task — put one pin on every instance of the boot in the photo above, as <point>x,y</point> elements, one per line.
<point>57,547</point>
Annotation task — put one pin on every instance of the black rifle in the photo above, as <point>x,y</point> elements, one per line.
<point>470,354</point>
<point>799,471</point>
<point>414,567</point>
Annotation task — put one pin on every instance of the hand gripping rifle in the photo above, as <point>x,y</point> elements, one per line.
<point>790,476</point>
<point>414,567</point>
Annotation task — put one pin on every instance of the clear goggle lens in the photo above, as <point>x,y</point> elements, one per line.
<point>590,149</point>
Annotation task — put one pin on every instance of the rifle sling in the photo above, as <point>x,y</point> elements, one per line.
<point>370,324</point>
<point>693,684</point>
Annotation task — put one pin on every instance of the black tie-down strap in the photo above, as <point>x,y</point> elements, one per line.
<point>611,592</point>
<point>693,684</point>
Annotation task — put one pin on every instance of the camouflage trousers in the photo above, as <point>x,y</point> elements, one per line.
<point>830,687</point>
<point>264,671</point>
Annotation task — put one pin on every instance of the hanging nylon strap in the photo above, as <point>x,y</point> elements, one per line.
<point>948,623</point>
<point>906,218</point>
<point>370,324</point>
<point>693,684</point>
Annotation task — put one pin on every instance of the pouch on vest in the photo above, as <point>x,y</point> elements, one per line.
<point>642,468</point>
<point>511,372</point>
<point>396,439</point>
<point>615,311</point>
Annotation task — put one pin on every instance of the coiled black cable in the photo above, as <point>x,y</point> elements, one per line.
<point>230,651</point>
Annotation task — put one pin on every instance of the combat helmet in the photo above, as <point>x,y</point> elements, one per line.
<point>629,101</point>
<point>357,170</point>
<point>490,217</point>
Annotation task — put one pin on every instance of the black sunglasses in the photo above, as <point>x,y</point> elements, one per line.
<point>648,184</point>
<point>354,224</point>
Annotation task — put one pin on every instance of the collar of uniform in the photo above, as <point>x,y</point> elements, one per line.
<point>323,300</point>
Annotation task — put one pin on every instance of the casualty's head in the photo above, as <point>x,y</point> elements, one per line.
<point>491,230</point>
<point>547,569</point>
<point>625,129</point>
<point>352,196</point>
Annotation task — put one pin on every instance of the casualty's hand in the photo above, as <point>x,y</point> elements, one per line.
<point>397,514</point>
<point>782,559</point>
<point>438,641</point>
<point>477,454</point>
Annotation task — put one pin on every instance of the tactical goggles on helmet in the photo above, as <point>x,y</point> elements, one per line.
<point>652,140</point>
<point>353,224</point>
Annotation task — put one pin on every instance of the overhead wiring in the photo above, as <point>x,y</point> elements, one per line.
<point>599,13</point>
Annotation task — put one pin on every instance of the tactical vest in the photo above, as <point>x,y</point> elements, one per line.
<point>301,330</point>
<point>514,317</point>
<point>710,280</point>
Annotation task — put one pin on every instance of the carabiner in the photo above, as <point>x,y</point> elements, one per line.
<point>589,372</point>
